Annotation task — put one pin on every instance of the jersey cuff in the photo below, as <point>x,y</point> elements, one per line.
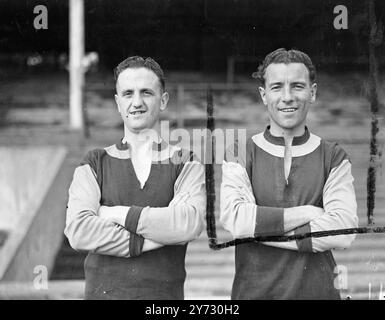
<point>304,245</point>
<point>269,221</point>
<point>136,244</point>
<point>132,218</point>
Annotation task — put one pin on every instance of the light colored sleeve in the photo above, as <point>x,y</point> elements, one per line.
<point>340,207</point>
<point>239,213</point>
<point>289,245</point>
<point>238,210</point>
<point>86,231</point>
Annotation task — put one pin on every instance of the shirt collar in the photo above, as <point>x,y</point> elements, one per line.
<point>280,141</point>
<point>157,144</point>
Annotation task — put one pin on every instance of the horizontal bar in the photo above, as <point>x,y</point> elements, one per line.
<point>270,238</point>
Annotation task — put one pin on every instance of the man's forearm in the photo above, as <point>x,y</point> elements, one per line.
<point>169,225</point>
<point>91,233</point>
<point>303,245</point>
<point>298,216</point>
<point>86,231</point>
<point>181,221</point>
<point>243,217</point>
<point>273,220</point>
<point>246,219</point>
<point>289,245</point>
<point>340,205</point>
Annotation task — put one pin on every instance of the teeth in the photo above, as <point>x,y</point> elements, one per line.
<point>288,110</point>
<point>137,112</point>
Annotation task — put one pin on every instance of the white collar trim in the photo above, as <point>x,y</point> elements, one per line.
<point>278,151</point>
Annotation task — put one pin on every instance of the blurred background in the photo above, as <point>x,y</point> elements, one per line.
<point>200,42</point>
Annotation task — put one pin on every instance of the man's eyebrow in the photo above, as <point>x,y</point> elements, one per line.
<point>274,83</point>
<point>299,82</point>
<point>126,91</point>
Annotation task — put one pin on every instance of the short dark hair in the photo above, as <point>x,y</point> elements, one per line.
<point>140,62</point>
<point>285,56</point>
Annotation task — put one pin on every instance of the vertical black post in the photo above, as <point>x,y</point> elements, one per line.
<point>209,169</point>
<point>375,39</point>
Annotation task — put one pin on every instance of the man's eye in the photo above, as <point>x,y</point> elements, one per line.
<point>298,86</point>
<point>275,88</point>
<point>147,93</point>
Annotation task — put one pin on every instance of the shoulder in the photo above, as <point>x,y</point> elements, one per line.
<point>92,158</point>
<point>184,162</point>
<point>335,153</point>
<point>178,156</point>
<point>239,150</point>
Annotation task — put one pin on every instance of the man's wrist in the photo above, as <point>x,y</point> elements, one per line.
<point>269,221</point>
<point>116,214</point>
<point>298,216</point>
<point>132,218</point>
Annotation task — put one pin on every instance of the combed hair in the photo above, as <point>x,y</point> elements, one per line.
<point>140,62</point>
<point>285,56</point>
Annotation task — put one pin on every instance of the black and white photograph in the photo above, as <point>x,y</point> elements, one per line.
<point>208,150</point>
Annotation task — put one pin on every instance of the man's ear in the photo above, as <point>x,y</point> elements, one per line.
<point>313,92</point>
<point>263,95</point>
<point>164,101</point>
<point>117,103</point>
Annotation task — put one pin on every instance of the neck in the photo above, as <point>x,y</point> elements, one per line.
<point>143,137</point>
<point>288,134</point>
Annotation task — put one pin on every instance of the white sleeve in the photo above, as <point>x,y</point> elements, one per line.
<point>238,210</point>
<point>86,231</point>
<point>340,207</point>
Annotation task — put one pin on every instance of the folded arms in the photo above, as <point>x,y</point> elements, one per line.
<point>242,217</point>
<point>127,231</point>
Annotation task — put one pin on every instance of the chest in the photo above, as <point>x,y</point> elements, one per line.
<point>303,185</point>
<point>120,184</point>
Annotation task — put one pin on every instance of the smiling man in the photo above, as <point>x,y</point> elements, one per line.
<point>291,181</point>
<point>135,205</point>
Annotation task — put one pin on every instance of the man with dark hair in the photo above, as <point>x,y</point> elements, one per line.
<point>290,182</point>
<point>134,205</point>
<point>139,62</point>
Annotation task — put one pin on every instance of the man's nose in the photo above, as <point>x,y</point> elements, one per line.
<point>287,94</point>
<point>137,100</point>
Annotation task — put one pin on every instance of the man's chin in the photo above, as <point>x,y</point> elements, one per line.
<point>296,129</point>
<point>138,127</point>
<point>289,124</point>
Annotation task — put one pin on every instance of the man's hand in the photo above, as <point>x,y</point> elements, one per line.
<point>116,214</point>
<point>311,212</point>
<point>297,216</point>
